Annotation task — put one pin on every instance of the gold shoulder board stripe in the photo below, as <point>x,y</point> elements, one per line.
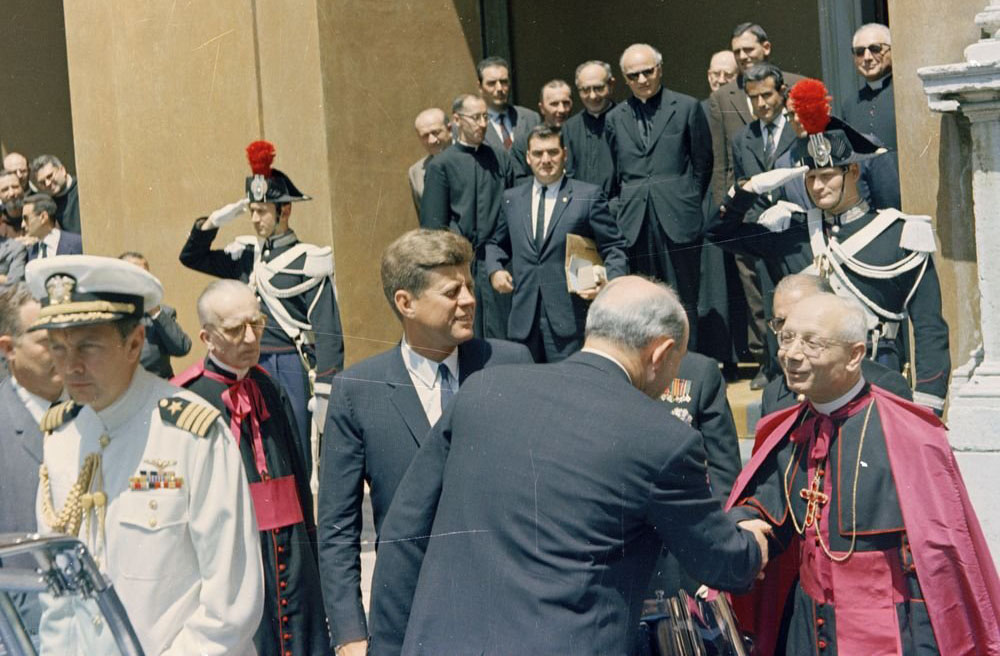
<point>194,417</point>
<point>58,415</point>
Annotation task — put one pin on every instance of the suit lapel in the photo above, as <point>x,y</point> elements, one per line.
<point>629,121</point>
<point>521,212</point>
<point>24,424</point>
<point>785,140</point>
<point>738,98</point>
<point>668,107</point>
<point>405,398</point>
<point>563,199</point>
<point>755,144</point>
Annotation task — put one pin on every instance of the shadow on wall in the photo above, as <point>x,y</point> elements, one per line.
<point>35,81</point>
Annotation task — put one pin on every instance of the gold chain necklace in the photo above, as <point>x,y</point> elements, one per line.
<point>854,497</point>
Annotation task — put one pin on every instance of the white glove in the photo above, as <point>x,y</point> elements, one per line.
<point>224,215</point>
<point>778,217</point>
<point>771,180</point>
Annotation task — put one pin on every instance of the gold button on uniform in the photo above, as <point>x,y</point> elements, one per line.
<point>152,504</point>
<point>152,522</point>
<point>104,440</point>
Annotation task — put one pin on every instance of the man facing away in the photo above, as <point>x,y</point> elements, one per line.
<point>863,488</point>
<point>261,422</point>
<point>143,473</point>
<point>548,491</point>
<point>384,406</point>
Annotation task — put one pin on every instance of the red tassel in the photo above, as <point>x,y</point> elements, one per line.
<point>810,101</point>
<point>260,154</point>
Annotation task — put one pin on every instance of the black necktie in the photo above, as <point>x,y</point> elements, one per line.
<point>43,249</point>
<point>769,145</point>
<point>540,220</point>
<point>446,391</point>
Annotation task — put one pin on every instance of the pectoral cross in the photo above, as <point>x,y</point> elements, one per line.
<point>814,499</point>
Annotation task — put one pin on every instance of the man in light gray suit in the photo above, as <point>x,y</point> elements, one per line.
<point>24,397</point>
<point>435,135</point>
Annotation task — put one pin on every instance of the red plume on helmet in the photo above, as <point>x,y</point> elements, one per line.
<point>811,103</point>
<point>260,154</point>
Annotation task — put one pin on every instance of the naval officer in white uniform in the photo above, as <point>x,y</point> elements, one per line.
<point>141,471</point>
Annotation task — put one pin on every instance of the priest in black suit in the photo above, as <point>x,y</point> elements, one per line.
<point>384,406</point>
<point>548,491</point>
<point>662,151</point>
<point>262,422</point>
<point>872,109</point>
<point>463,187</point>
<point>531,239</point>
<point>588,156</point>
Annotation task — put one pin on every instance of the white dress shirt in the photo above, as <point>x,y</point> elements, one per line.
<point>36,405</point>
<point>427,378</point>
<point>497,119</point>
<point>51,242</point>
<point>551,195</point>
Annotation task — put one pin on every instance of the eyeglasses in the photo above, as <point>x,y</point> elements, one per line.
<point>646,72</point>
<point>235,332</point>
<point>812,346</point>
<point>776,324</point>
<point>477,118</point>
<point>597,88</point>
<point>875,48</point>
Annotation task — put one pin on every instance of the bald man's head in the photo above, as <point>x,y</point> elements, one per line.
<point>722,68</point>
<point>433,130</point>
<point>642,324</point>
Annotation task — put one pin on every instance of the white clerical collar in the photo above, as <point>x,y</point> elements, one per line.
<point>424,369</point>
<point>123,409</point>
<point>603,111</point>
<point>879,84</point>
<point>467,145</point>
<point>588,349</point>
<point>551,188</point>
<point>239,373</point>
<point>830,407</point>
<point>36,405</point>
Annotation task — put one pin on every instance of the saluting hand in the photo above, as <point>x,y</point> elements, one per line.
<point>225,214</point>
<point>773,179</point>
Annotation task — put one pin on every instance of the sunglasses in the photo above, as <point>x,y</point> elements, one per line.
<point>646,72</point>
<point>875,48</point>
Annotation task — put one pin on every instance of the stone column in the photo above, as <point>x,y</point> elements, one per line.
<point>972,88</point>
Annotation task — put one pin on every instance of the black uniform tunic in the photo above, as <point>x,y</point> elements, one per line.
<point>294,621</point>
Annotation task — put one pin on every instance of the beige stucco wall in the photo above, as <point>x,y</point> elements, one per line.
<point>166,96</point>
<point>935,176</point>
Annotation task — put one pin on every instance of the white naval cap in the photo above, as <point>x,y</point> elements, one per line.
<point>78,290</point>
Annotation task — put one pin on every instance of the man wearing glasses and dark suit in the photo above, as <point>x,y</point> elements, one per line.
<point>662,151</point>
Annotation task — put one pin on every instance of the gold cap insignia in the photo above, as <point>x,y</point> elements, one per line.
<point>60,289</point>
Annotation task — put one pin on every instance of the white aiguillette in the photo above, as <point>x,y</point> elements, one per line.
<point>584,265</point>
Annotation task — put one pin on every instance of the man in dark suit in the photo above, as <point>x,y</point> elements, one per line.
<point>164,336</point>
<point>25,396</point>
<point>588,157</point>
<point>531,237</point>
<point>663,161</point>
<point>555,102</point>
<point>51,177</point>
<point>872,110</point>
<point>384,406</point>
<point>507,122</point>
<point>545,528</point>
<point>792,289</point>
<point>463,188</point>
<point>38,215</point>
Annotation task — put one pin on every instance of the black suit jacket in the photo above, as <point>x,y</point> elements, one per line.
<point>667,177</point>
<point>728,113</point>
<point>20,457</point>
<point>70,243</point>
<point>164,338</point>
<point>580,209</point>
<point>547,490</point>
<point>522,118</point>
<point>777,396</point>
<point>374,426</point>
